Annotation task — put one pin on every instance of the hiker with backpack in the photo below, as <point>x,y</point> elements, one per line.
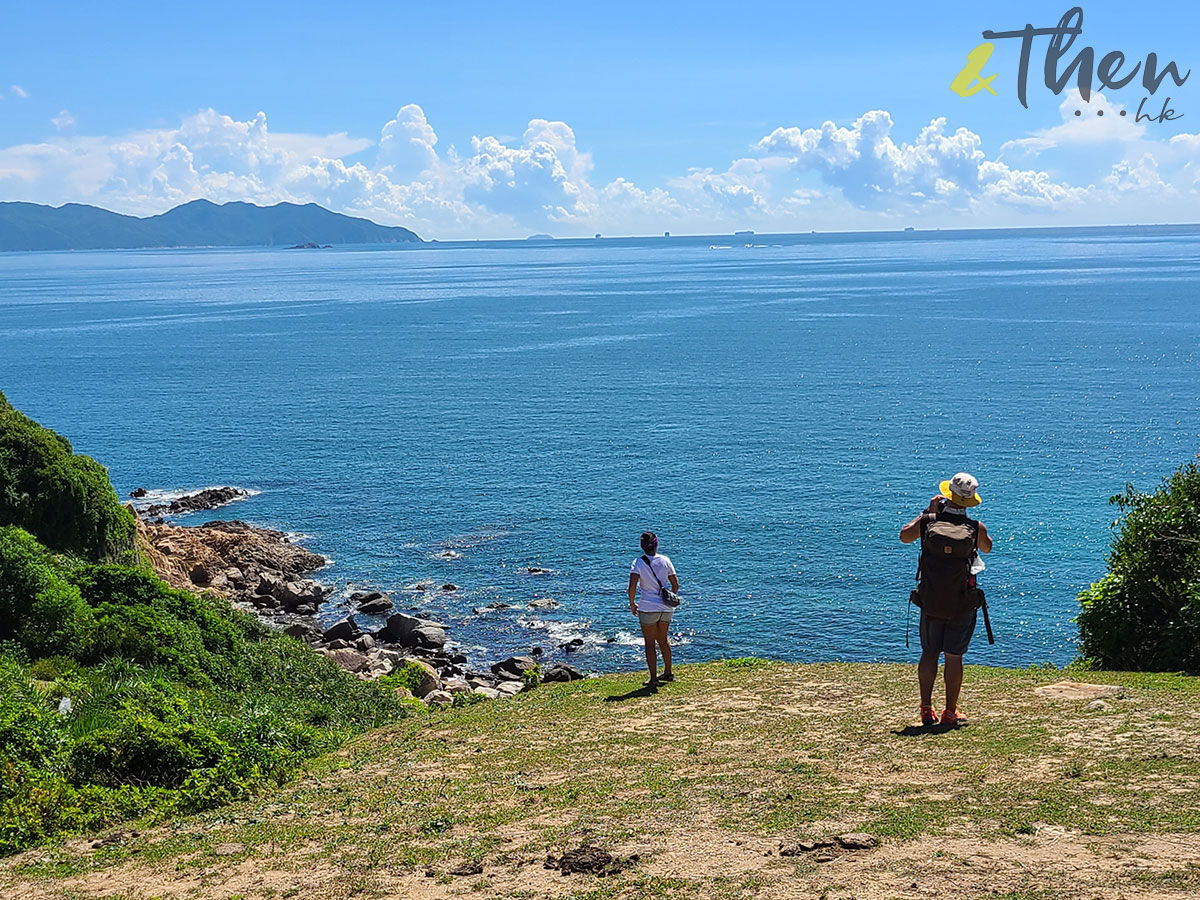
<point>655,605</point>
<point>946,590</point>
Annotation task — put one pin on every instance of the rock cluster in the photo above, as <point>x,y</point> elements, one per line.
<point>209,498</point>
<point>262,571</point>
<point>256,568</point>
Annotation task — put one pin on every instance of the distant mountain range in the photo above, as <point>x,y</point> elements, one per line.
<point>201,223</point>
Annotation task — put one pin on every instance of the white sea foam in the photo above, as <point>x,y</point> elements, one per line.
<point>563,631</point>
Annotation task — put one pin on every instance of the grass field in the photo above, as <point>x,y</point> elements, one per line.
<point>705,781</point>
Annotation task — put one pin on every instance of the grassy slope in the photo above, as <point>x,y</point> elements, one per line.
<point>1037,798</point>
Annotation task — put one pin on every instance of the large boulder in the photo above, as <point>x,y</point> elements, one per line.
<point>268,585</point>
<point>301,631</point>
<point>199,574</point>
<point>409,631</point>
<point>349,659</point>
<point>429,679</point>
<point>375,605</point>
<point>514,667</point>
<point>345,630</point>
<point>561,672</point>
<point>294,594</point>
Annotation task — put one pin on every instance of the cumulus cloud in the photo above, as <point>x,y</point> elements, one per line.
<point>542,180</point>
<point>406,143</point>
<point>63,120</point>
<point>874,172</point>
<point>859,175</point>
<point>1142,177</point>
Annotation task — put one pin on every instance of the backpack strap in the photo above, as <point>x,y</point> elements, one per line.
<point>653,574</point>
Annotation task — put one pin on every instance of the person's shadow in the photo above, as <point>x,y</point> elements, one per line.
<point>923,730</point>
<point>643,691</point>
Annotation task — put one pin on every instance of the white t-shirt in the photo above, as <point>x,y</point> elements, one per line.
<point>651,599</point>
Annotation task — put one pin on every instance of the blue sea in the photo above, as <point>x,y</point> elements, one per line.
<point>775,410</point>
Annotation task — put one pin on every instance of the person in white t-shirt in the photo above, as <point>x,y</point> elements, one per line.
<point>654,615</point>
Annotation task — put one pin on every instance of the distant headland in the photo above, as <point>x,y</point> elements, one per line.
<point>200,223</point>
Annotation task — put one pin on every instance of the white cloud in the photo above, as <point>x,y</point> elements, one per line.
<point>833,176</point>
<point>873,172</point>
<point>1099,123</point>
<point>1025,188</point>
<point>541,181</point>
<point>18,91</point>
<point>1142,177</point>
<point>1188,143</point>
<point>406,143</point>
<point>63,120</point>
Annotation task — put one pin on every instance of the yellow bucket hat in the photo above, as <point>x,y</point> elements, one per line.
<point>962,489</point>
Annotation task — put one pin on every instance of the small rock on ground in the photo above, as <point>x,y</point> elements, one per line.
<point>590,860</point>
<point>856,840</point>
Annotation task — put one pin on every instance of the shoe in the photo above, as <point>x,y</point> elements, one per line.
<point>652,683</point>
<point>667,678</point>
<point>953,718</point>
<point>928,716</point>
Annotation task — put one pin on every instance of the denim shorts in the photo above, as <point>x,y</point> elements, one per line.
<point>953,637</point>
<point>650,618</point>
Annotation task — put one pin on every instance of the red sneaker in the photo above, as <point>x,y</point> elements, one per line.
<point>928,716</point>
<point>953,718</point>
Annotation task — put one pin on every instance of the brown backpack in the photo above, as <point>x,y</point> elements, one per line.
<point>944,584</point>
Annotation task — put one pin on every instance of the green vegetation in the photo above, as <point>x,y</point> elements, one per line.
<point>1144,614</point>
<point>120,696</point>
<point>407,676</point>
<point>705,779</point>
<point>61,498</point>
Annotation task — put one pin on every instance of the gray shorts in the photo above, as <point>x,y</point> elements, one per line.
<point>650,618</point>
<point>953,637</point>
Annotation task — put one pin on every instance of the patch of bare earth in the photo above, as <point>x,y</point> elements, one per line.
<point>709,863</point>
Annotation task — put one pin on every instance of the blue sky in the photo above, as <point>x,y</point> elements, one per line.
<point>652,116</point>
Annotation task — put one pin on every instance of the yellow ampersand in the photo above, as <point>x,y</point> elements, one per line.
<point>969,81</point>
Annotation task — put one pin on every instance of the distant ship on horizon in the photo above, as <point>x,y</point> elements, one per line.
<point>743,233</point>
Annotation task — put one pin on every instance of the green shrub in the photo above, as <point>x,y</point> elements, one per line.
<point>143,750</point>
<point>177,702</point>
<point>141,618</point>
<point>407,676</point>
<point>52,668</point>
<point>62,498</point>
<point>39,608</point>
<point>532,677</point>
<point>1144,614</point>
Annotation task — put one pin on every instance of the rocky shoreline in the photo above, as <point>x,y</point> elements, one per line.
<point>262,571</point>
